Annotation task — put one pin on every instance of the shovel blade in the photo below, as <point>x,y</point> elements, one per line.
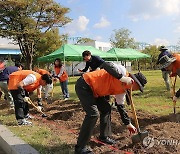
<point>44,115</point>
<point>139,137</point>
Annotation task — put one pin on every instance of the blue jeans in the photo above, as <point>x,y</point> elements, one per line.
<point>64,88</point>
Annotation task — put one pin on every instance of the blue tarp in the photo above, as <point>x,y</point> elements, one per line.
<point>10,52</point>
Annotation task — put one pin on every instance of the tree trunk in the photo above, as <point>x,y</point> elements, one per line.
<point>26,48</point>
<point>28,63</point>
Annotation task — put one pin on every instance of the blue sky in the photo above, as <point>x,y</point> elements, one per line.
<point>152,21</point>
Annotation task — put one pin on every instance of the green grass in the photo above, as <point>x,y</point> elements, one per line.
<point>154,101</point>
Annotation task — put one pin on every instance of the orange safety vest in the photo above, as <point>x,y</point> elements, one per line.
<point>64,76</point>
<point>18,76</point>
<point>102,83</point>
<point>176,64</point>
<point>43,71</point>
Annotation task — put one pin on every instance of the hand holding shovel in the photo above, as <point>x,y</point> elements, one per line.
<point>141,135</point>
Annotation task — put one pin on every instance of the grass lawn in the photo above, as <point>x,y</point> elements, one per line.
<point>155,100</point>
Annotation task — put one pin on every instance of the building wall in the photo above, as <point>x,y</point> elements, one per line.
<point>103,46</point>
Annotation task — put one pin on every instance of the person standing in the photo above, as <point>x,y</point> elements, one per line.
<point>171,64</point>
<point>165,73</point>
<point>20,83</point>
<point>92,62</point>
<point>4,78</point>
<point>61,75</point>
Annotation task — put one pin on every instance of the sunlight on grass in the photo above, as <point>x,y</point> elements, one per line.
<point>155,100</point>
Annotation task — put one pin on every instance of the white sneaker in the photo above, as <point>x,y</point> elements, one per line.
<point>28,116</point>
<point>24,122</point>
<point>66,99</point>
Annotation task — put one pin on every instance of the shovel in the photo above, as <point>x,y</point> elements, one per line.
<point>31,103</point>
<point>141,135</point>
<point>173,93</point>
<point>52,92</point>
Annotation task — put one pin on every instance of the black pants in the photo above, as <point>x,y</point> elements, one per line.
<point>21,107</point>
<point>92,106</point>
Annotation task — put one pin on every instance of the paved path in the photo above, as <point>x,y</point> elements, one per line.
<point>1,151</point>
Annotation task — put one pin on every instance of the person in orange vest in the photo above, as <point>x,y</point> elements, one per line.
<point>47,88</point>
<point>171,64</point>
<point>22,82</point>
<point>61,75</point>
<point>111,80</point>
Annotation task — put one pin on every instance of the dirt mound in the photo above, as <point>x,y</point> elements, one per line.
<point>65,119</point>
<point>163,130</point>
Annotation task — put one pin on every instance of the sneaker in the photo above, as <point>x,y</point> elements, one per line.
<point>24,122</point>
<point>28,116</point>
<point>85,150</point>
<point>107,140</point>
<point>66,99</point>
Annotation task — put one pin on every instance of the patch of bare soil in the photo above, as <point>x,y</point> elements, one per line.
<point>164,134</point>
<point>65,119</point>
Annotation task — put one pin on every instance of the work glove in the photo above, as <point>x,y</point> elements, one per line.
<point>174,99</point>
<point>40,108</point>
<point>126,80</point>
<point>55,79</point>
<point>39,100</point>
<point>26,99</point>
<point>131,128</point>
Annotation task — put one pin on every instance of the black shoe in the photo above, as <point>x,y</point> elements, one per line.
<point>84,150</point>
<point>107,140</point>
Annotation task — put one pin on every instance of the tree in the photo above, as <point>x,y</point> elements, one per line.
<point>48,42</point>
<point>121,39</point>
<point>84,40</point>
<point>154,52</point>
<point>26,21</point>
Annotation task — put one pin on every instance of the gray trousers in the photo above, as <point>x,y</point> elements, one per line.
<point>165,75</point>
<point>4,88</point>
<point>92,106</point>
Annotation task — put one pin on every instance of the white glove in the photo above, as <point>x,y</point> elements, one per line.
<point>40,108</point>
<point>131,129</point>
<point>174,99</point>
<point>26,99</point>
<point>127,80</point>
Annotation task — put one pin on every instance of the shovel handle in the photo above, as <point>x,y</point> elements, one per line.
<point>173,88</point>
<point>31,103</point>
<point>52,92</point>
<point>134,111</point>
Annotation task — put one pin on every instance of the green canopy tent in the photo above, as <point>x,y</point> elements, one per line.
<point>127,54</point>
<point>70,52</point>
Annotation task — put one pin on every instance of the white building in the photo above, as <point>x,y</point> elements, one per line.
<point>103,46</point>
